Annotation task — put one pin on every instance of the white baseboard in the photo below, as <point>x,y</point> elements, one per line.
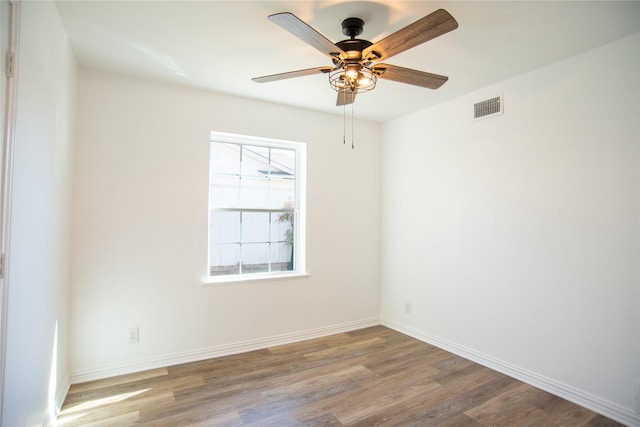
<point>111,370</point>
<point>572,394</point>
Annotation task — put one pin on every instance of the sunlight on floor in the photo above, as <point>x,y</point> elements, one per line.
<point>78,411</point>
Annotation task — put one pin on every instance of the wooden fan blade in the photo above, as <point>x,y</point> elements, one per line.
<point>427,28</point>
<point>307,34</point>
<point>291,74</point>
<point>409,76</point>
<point>346,97</point>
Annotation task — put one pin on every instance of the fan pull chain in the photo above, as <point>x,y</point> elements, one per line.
<point>352,126</point>
<point>344,123</point>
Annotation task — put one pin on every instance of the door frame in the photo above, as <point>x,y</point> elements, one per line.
<point>10,18</point>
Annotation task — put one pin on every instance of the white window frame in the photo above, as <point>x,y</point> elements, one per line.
<point>299,225</point>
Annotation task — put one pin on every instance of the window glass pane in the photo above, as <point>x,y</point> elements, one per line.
<point>225,159</point>
<point>224,191</point>
<point>282,227</point>
<point>281,257</point>
<point>255,227</point>
<point>224,259</point>
<point>254,192</point>
<point>284,160</point>
<point>255,257</point>
<point>282,193</point>
<point>224,227</point>
<point>255,161</point>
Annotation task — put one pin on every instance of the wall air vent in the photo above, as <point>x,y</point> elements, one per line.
<point>487,108</point>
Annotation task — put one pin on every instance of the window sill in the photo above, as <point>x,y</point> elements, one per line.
<point>257,277</point>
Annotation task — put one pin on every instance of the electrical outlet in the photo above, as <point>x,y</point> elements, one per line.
<point>134,336</point>
<point>407,308</point>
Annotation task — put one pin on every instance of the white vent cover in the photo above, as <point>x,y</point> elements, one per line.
<point>487,108</point>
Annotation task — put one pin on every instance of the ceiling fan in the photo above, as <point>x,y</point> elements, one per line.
<point>355,61</point>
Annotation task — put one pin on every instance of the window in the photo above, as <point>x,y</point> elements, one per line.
<point>256,207</point>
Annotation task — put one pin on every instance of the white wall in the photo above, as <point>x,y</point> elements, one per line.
<point>38,270</point>
<point>515,238</point>
<point>140,227</point>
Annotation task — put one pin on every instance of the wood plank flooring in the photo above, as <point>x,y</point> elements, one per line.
<point>370,377</point>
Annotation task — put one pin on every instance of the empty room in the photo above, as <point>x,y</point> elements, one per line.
<point>320,213</point>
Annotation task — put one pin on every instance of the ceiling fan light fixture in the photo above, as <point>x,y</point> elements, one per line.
<point>352,71</point>
<point>363,80</point>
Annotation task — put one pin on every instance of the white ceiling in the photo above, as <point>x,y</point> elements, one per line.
<point>221,45</point>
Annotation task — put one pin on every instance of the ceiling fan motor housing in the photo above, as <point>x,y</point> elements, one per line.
<point>354,45</point>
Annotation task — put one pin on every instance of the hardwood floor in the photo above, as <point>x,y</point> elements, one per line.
<point>370,377</point>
